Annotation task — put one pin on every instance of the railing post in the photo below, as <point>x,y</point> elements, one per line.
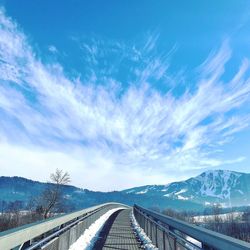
<point>174,239</point>
<point>175,245</point>
<point>164,240</point>
<point>156,236</point>
<point>151,230</point>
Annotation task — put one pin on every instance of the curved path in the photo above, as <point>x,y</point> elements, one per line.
<point>117,233</point>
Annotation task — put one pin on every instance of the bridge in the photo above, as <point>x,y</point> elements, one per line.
<point>122,229</point>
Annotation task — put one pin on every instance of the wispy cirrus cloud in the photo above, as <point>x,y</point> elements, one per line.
<point>100,125</point>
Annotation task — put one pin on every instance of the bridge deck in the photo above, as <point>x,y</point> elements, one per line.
<point>117,233</point>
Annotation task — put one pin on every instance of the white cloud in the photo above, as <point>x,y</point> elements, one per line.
<point>130,135</point>
<point>52,49</point>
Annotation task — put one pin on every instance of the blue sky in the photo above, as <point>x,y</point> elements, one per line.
<point>124,93</point>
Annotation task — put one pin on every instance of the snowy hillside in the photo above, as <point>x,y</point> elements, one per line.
<point>21,190</point>
<point>227,187</point>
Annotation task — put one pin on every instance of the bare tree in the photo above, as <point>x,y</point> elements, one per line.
<point>175,214</point>
<point>3,206</point>
<point>246,215</point>
<point>52,195</point>
<point>215,222</point>
<point>14,209</point>
<point>216,211</point>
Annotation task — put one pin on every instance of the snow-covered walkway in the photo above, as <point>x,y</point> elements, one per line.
<point>87,240</point>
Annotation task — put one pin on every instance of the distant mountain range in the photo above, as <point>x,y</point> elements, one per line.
<point>226,187</point>
<point>219,186</point>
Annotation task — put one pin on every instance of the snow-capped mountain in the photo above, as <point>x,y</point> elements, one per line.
<point>223,186</point>
<point>227,187</point>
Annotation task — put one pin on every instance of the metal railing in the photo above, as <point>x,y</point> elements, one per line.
<point>167,233</point>
<point>54,233</point>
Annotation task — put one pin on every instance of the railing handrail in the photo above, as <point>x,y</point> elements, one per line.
<point>19,235</point>
<point>203,235</point>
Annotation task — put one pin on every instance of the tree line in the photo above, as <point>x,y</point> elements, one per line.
<point>235,226</point>
<point>47,204</point>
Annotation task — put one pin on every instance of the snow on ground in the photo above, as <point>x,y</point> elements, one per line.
<point>88,238</point>
<point>130,191</point>
<point>181,191</point>
<point>167,195</point>
<point>142,192</point>
<point>223,217</point>
<point>180,197</point>
<point>164,190</point>
<point>147,243</point>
